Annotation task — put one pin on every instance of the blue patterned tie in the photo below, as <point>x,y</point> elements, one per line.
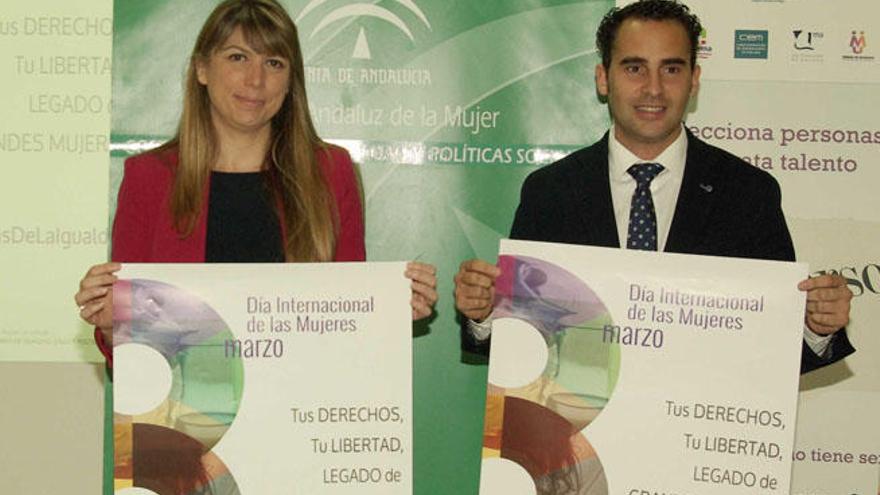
<point>642,232</point>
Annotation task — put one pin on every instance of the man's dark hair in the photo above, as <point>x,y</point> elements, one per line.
<point>653,10</point>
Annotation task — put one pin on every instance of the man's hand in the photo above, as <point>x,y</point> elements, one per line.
<point>828,299</point>
<point>475,288</point>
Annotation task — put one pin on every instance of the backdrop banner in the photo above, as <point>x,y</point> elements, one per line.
<point>786,85</point>
<point>446,106</point>
<point>54,140</point>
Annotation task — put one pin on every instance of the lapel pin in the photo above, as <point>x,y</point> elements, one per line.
<point>706,187</point>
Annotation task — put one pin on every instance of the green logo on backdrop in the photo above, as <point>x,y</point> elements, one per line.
<point>751,43</point>
<point>433,73</point>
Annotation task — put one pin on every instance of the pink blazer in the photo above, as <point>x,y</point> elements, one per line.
<point>143,231</point>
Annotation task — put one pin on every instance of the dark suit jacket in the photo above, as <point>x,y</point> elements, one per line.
<point>725,207</point>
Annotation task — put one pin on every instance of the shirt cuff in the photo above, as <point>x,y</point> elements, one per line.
<point>819,344</point>
<point>481,330</point>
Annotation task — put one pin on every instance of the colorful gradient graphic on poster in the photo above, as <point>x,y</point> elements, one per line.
<point>167,449</point>
<point>540,425</point>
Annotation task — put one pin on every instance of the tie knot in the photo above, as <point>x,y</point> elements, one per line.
<point>644,173</point>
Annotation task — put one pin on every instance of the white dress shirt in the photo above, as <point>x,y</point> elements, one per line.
<point>664,187</point>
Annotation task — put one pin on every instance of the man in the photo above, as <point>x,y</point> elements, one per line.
<point>700,199</point>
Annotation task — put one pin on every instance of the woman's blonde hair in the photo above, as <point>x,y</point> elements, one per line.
<point>302,192</point>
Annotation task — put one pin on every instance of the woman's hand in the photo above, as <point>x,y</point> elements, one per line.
<point>95,296</point>
<point>424,288</point>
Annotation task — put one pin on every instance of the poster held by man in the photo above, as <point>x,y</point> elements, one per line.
<point>614,371</point>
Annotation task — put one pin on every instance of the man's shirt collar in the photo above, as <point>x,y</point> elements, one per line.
<point>672,158</point>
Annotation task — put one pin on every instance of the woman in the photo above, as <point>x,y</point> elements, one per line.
<point>246,178</point>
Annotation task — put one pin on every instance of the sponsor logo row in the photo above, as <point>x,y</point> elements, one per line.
<point>804,45</point>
